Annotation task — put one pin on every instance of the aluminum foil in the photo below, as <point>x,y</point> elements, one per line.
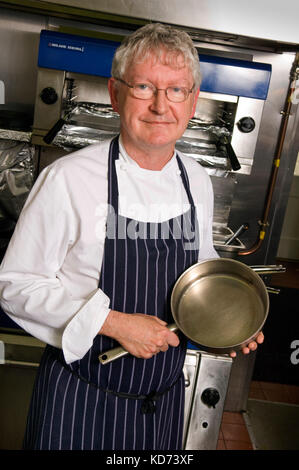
<point>86,124</point>
<point>215,161</point>
<point>16,176</point>
<point>74,136</point>
<point>94,115</point>
<point>95,109</point>
<point>20,136</point>
<point>219,131</point>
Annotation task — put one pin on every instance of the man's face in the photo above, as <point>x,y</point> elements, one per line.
<point>154,124</point>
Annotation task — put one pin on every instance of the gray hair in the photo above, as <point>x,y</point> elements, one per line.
<point>154,38</point>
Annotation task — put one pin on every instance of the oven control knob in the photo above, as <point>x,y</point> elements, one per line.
<point>246,124</point>
<point>210,397</point>
<point>48,95</point>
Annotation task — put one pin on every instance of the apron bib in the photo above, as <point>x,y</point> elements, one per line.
<point>131,403</point>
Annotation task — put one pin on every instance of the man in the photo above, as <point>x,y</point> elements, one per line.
<point>102,239</point>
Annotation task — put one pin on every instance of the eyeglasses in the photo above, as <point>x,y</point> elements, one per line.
<point>145,91</point>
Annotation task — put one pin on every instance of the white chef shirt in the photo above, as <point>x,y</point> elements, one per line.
<point>50,273</point>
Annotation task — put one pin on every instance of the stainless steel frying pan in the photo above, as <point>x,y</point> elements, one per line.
<point>219,304</point>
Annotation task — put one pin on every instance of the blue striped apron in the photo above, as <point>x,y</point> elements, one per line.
<point>131,403</point>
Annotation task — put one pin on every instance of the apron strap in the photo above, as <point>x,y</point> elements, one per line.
<point>148,406</point>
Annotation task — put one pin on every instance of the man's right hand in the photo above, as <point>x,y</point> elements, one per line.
<point>141,335</point>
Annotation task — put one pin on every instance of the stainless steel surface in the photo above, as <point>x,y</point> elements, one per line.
<point>88,89</point>
<point>206,372</point>
<point>19,38</point>
<point>250,191</point>
<point>213,15</point>
<point>15,395</point>
<point>244,144</point>
<point>224,193</point>
<point>210,106</point>
<point>19,361</point>
<point>224,111</point>
<point>229,251</point>
<point>46,115</point>
<point>239,382</point>
<point>20,350</point>
<point>276,160</point>
<point>221,233</point>
<point>190,373</point>
<point>220,304</point>
<point>289,240</point>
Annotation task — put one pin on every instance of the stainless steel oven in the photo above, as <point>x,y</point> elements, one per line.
<point>206,379</point>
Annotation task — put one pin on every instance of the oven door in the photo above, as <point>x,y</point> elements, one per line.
<point>206,380</point>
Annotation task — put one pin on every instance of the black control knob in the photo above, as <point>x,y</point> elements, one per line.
<point>246,124</point>
<point>210,397</point>
<point>48,95</point>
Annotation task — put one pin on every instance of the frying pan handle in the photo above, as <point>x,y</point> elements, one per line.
<point>119,352</point>
<point>113,354</point>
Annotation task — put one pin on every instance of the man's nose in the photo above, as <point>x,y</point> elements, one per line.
<point>159,102</point>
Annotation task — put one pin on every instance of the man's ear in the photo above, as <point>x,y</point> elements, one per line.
<point>113,92</point>
<point>194,103</point>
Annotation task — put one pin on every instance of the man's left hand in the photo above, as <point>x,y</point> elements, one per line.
<point>252,346</point>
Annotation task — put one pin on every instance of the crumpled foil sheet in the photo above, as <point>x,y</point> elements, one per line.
<point>17,174</point>
<point>74,136</point>
<point>96,110</point>
<point>20,136</point>
<point>87,123</point>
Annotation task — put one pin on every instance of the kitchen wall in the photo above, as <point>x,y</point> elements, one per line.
<point>269,19</point>
<point>289,240</point>
<point>19,39</point>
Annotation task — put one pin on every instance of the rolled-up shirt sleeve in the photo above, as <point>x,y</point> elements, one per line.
<point>31,287</point>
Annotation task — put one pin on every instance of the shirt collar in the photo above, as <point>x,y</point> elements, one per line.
<point>127,160</point>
